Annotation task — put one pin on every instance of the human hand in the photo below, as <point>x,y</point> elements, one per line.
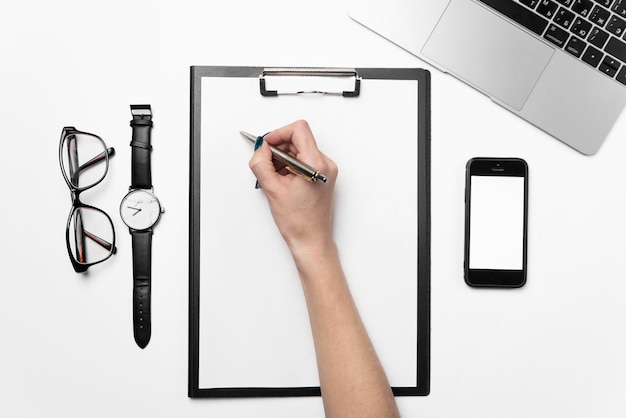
<point>303,211</point>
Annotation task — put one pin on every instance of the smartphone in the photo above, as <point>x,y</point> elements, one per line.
<point>496,222</point>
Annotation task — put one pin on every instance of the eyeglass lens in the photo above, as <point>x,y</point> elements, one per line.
<point>90,231</point>
<point>91,235</point>
<point>84,160</point>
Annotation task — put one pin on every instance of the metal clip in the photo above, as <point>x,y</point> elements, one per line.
<point>311,73</point>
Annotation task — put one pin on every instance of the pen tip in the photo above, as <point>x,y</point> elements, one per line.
<point>248,136</point>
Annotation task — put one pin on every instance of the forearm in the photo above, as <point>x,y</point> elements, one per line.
<point>352,380</point>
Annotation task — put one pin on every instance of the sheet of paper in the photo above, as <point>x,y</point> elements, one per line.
<point>254,327</point>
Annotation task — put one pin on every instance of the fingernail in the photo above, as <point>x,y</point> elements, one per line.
<point>258,143</point>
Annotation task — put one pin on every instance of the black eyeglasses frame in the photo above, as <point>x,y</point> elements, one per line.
<point>80,234</point>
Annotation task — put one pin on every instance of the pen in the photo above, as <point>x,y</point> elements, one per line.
<point>292,164</point>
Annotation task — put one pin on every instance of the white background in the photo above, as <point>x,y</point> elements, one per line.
<point>556,347</point>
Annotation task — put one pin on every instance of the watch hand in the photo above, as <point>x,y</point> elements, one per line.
<point>137,210</point>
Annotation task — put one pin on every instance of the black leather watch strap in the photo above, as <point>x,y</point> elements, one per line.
<point>142,262</point>
<point>141,177</point>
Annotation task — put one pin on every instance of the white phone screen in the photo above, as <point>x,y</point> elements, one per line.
<point>496,223</point>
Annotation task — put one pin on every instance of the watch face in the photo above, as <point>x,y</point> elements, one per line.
<point>140,209</point>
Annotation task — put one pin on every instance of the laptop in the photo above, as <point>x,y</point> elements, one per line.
<point>558,64</point>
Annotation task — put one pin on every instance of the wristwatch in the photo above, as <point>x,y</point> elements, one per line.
<point>141,210</point>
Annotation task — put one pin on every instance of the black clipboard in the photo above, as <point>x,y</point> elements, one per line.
<point>352,84</point>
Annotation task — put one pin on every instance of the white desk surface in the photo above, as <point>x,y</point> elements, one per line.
<point>556,347</point>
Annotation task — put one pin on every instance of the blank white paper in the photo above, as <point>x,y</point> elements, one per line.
<point>254,327</point>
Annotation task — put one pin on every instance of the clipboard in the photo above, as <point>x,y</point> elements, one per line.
<point>249,334</point>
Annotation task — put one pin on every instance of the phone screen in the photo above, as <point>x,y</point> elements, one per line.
<point>496,239</point>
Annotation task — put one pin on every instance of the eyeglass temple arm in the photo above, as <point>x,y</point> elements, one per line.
<point>75,170</point>
<point>98,158</point>
<point>79,237</point>
<point>80,233</point>
<point>103,243</point>
<point>95,160</point>
<point>72,157</point>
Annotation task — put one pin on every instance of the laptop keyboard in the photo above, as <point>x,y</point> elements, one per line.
<point>593,31</point>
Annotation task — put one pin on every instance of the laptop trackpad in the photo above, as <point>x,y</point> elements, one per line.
<point>488,52</point>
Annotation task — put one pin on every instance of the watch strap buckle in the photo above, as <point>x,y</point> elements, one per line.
<point>142,115</point>
<point>142,111</point>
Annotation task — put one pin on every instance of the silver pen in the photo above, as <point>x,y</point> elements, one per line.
<point>292,164</point>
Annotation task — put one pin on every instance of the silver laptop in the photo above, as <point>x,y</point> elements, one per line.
<point>559,64</point>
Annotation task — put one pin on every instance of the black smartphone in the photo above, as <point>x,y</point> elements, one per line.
<point>496,221</point>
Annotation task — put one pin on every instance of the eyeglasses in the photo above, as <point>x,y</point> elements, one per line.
<point>89,233</point>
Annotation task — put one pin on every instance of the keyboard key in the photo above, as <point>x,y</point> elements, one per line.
<point>547,8</point>
<point>616,26</point>
<point>621,76</point>
<point>529,3</point>
<point>575,46</point>
<point>581,27</point>
<point>609,66</point>
<point>620,8</point>
<point>592,56</point>
<point>582,7</point>
<point>567,3</point>
<point>556,35</point>
<point>616,48</point>
<point>564,18</point>
<point>598,37</point>
<point>605,3</point>
<point>599,16</point>
<point>518,13</point>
